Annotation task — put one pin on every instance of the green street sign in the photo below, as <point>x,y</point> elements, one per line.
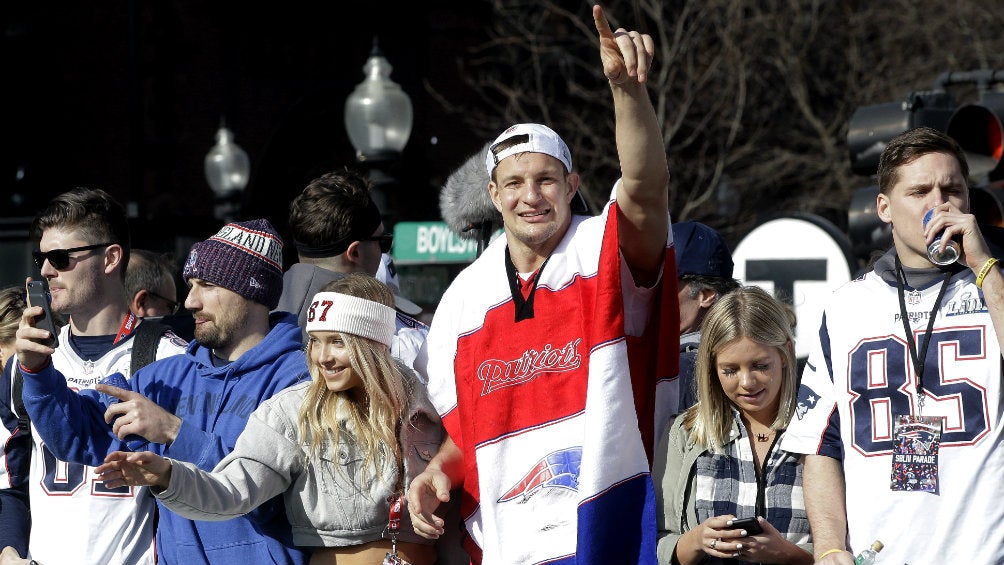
<point>430,242</point>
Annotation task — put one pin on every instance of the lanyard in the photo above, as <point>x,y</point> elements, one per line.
<point>396,501</point>
<point>394,514</point>
<point>918,360</point>
<point>128,326</point>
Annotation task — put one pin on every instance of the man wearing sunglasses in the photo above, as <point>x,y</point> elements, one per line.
<point>190,407</point>
<point>338,230</point>
<point>83,253</point>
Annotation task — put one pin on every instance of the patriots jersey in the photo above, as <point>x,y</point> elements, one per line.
<point>550,418</point>
<point>409,337</point>
<point>860,376</point>
<point>75,518</point>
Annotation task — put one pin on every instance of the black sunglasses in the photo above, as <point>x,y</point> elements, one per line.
<point>60,258</point>
<point>386,240</point>
<point>172,304</point>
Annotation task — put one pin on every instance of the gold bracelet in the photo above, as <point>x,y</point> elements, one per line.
<point>984,271</point>
<point>828,552</point>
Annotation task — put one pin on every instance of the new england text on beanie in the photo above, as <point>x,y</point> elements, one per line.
<point>245,257</point>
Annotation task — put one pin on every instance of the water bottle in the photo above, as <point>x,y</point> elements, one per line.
<point>867,557</point>
<point>951,252</point>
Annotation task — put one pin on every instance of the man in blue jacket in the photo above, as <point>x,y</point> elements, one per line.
<point>190,407</point>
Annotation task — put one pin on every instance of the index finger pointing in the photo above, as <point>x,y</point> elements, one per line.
<point>601,23</point>
<point>120,393</point>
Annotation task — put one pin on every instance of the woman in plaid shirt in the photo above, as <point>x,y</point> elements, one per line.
<point>720,460</point>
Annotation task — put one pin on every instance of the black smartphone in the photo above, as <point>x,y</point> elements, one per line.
<point>751,525</point>
<point>38,295</point>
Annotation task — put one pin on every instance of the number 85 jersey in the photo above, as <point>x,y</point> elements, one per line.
<point>860,376</point>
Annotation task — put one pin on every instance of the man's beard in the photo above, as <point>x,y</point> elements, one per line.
<point>213,337</point>
<point>220,331</point>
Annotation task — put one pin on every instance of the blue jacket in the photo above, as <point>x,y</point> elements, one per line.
<point>15,456</point>
<point>214,404</point>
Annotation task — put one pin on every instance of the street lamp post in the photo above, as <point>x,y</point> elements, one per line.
<point>378,119</point>
<point>228,170</point>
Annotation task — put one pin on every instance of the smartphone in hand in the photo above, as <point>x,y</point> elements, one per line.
<point>751,525</point>
<point>38,295</point>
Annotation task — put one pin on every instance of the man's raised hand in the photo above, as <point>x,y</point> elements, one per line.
<point>625,54</point>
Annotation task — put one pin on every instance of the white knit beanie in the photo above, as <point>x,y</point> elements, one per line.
<point>336,312</point>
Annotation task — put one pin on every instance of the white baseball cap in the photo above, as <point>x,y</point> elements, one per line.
<point>539,139</point>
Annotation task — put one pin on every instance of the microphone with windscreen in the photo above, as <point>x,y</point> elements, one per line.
<point>464,202</point>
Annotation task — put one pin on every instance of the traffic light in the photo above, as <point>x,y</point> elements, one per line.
<point>864,228</point>
<point>872,127</point>
<point>979,131</point>
<point>977,127</point>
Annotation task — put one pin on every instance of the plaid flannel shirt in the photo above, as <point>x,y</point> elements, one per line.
<point>728,484</point>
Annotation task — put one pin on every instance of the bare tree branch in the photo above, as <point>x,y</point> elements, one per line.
<point>754,96</point>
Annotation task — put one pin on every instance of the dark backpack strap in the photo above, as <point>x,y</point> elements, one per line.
<point>17,385</point>
<point>145,342</point>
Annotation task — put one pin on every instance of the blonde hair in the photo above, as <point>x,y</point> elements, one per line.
<point>12,305</point>
<point>375,414</point>
<point>752,313</point>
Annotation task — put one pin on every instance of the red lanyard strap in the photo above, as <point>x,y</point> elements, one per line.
<point>128,326</point>
<point>396,501</point>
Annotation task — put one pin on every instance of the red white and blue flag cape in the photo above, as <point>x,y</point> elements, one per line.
<point>557,415</point>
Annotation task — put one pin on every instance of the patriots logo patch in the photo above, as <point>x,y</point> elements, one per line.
<point>919,440</point>
<point>559,469</point>
<point>193,257</point>
<point>807,399</point>
<point>175,339</point>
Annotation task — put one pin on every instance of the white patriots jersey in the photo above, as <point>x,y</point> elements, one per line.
<point>860,376</point>
<point>75,518</point>
<point>409,337</point>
